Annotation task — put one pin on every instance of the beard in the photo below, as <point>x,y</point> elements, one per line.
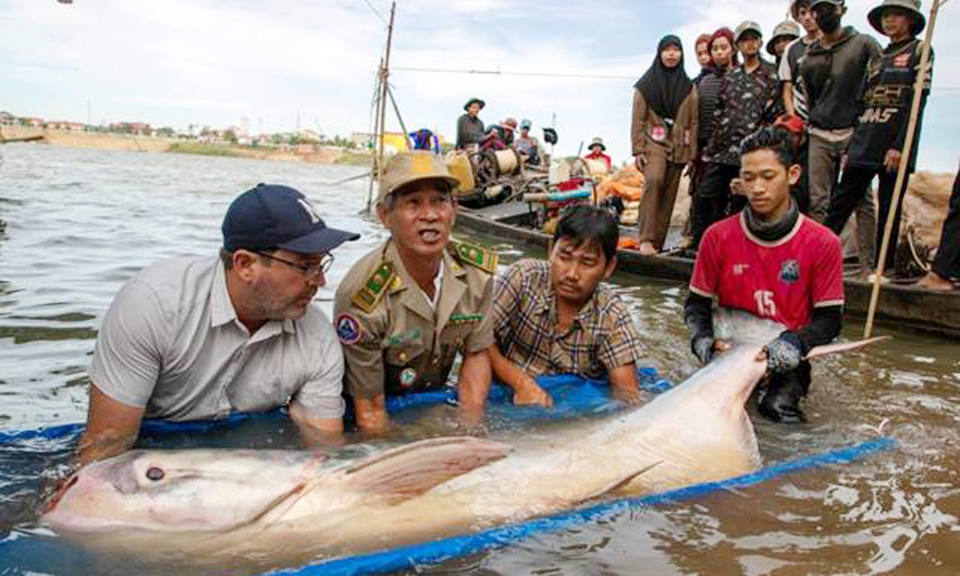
<point>828,23</point>
<point>267,304</point>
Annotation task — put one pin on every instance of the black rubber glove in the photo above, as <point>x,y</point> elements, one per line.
<point>784,353</point>
<point>702,347</point>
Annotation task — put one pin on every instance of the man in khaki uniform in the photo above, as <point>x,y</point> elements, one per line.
<point>406,309</point>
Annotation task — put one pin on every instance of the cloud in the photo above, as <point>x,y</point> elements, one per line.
<point>210,61</point>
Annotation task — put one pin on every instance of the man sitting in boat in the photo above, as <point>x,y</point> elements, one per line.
<point>527,146</point>
<point>409,307</point>
<point>597,149</point>
<point>555,316</point>
<point>196,338</point>
<point>775,263</point>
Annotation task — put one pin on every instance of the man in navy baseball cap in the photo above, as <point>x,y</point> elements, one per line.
<point>197,338</point>
<point>270,216</point>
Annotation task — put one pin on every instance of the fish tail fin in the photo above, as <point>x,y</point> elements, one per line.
<point>407,471</point>
<point>842,347</point>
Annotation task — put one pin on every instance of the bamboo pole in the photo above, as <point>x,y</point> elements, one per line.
<point>904,163</point>
<point>381,112</point>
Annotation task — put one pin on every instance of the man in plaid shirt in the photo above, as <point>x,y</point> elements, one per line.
<point>554,316</point>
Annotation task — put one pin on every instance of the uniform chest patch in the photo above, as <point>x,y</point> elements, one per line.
<point>348,329</point>
<point>902,60</point>
<point>790,272</point>
<point>407,377</point>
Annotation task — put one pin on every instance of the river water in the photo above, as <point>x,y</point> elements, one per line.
<point>79,223</point>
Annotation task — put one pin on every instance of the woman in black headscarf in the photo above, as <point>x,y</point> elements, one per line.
<point>664,138</point>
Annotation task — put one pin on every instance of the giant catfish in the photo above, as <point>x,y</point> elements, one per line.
<point>244,509</point>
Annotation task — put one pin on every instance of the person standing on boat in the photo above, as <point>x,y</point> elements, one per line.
<point>723,57</point>
<point>597,151</point>
<point>702,48</point>
<point>470,129</point>
<point>407,309</point>
<point>879,137</point>
<point>664,137</point>
<point>555,316</point>
<point>197,338</point>
<point>748,99</point>
<point>834,71</point>
<point>528,146</point>
<point>775,263</point>
<point>794,94</point>
<point>946,266</point>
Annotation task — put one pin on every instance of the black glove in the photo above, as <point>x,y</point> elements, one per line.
<point>702,347</point>
<point>785,353</point>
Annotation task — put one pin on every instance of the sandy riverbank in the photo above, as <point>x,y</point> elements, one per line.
<point>73,139</point>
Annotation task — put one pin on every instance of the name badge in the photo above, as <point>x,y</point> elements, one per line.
<point>658,133</point>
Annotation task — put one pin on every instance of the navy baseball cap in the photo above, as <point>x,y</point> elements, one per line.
<point>272,216</point>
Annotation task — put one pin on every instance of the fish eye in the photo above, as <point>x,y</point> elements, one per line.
<point>155,474</point>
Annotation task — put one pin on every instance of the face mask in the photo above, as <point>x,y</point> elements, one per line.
<point>828,23</point>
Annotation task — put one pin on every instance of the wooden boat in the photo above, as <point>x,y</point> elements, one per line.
<point>899,305</point>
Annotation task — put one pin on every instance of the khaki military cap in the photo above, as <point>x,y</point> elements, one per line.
<point>409,167</point>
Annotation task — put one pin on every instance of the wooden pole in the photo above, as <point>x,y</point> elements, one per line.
<point>376,131</point>
<point>904,163</point>
<point>381,112</point>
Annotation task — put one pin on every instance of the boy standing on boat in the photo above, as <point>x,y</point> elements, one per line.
<point>773,262</point>
<point>409,307</point>
<point>880,135</point>
<point>202,337</point>
<point>555,316</point>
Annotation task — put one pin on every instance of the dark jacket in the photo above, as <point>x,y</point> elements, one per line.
<point>887,98</point>
<point>469,131</point>
<point>833,78</point>
<point>747,102</point>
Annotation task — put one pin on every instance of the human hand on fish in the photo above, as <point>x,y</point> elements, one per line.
<point>782,354</point>
<point>706,346</point>
<point>529,393</point>
<point>629,396</point>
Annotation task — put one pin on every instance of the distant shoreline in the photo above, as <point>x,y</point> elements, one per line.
<point>76,139</point>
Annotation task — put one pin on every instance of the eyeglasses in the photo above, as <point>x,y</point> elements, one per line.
<point>309,271</point>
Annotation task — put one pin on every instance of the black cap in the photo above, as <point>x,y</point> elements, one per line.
<point>271,216</point>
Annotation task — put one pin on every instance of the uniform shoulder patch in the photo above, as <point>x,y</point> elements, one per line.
<point>476,256</point>
<point>372,290</point>
<point>348,329</point>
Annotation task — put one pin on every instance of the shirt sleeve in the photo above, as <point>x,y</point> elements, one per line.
<point>621,345</point>
<point>361,336</point>
<point>129,350</point>
<point>706,268</point>
<point>828,274</point>
<point>321,394</point>
<point>482,336</point>
<point>507,291</point>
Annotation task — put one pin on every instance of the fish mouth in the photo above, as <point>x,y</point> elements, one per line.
<point>59,493</point>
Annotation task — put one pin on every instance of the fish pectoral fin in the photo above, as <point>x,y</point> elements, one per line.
<point>402,473</point>
<point>616,484</point>
<point>842,347</point>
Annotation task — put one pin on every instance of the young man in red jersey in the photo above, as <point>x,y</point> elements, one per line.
<point>775,263</point>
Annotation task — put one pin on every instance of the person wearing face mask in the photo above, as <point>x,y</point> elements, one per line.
<point>664,138</point>
<point>879,138</point>
<point>556,317</point>
<point>772,262</point>
<point>833,72</point>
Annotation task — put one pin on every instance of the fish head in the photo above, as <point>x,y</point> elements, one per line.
<point>176,491</point>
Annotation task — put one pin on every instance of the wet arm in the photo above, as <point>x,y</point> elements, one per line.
<point>525,387</point>
<point>372,417</point>
<point>316,431</point>
<point>624,386</point>
<point>112,428</point>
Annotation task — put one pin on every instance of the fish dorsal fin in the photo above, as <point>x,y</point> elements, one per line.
<point>842,347</point>
<point>616,484</point>
<point>408,471</point>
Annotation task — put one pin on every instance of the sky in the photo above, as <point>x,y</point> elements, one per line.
<point>313,63</point>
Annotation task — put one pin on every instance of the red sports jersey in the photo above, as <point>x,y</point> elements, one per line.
<point>782,280</point>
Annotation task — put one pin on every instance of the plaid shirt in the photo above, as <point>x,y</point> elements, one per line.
<point>601,338</point>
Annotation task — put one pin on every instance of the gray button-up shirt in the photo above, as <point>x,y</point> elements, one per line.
<point>171,342</point>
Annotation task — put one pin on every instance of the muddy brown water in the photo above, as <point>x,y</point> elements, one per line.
<point>81,222</point>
